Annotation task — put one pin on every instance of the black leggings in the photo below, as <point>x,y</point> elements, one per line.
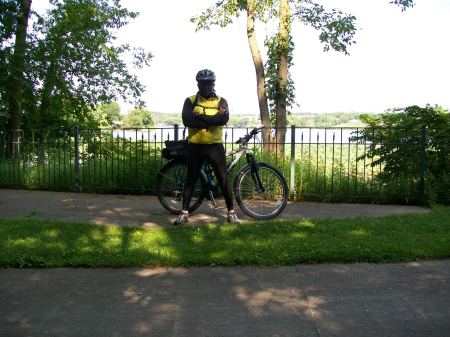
<point>215,155</point>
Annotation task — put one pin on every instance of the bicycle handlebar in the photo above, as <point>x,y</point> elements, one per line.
<point>250,135</point>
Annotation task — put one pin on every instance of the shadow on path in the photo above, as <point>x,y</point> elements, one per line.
<point>145,211</point>
<point>408,299</point>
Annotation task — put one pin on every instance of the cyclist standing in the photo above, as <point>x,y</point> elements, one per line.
<point>205,114</point>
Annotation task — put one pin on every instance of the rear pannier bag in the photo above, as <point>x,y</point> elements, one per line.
<point>175,149</point>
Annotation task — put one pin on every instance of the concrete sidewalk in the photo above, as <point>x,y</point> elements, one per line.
<point>361,300</point>
<point>145,211</point>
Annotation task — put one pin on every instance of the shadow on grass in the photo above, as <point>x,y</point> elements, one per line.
<point>32,243</point>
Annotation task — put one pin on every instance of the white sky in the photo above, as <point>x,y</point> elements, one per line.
<point>400,58</point>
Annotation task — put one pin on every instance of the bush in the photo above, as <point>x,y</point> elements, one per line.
<point>412,143</point>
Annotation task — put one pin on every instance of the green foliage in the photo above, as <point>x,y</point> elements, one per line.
<point>13,44</point>
<point>137,118</point>
<point>73,62</point>
<point>8,10</point>
<point>412,142</point>
<point>105,163</point>
<point>105,114</point>
<point>127,160</point>
<point>117,163</point>
<point>307,120</point>
<point>167,119</point>
<point>219,14</point>
<point>6,31</point>
<point>336,28</point>
<point>236,120</point>
<point>404,4</point>
<point>37,243</point>
<point>325,120</point>
<point>222,13</point>
<point>243,121</point>
<point>8,13</point>
<point>274,51</point>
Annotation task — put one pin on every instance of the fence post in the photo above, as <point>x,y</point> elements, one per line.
<point>77,162</point>
<point>292,177</point>
<point>423,139</point>
<point>175,131</point>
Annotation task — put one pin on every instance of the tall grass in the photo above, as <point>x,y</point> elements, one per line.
<point>326,172</point>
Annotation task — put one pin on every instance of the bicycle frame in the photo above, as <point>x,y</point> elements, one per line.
<point>236,155</point>
<point>206,170</point>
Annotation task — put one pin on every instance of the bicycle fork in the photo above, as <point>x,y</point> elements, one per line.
<point>255,173</point>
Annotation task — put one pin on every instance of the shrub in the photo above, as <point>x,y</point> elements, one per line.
<point>412,143</point>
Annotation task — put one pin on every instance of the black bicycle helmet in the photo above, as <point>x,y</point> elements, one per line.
<point>205,75</point>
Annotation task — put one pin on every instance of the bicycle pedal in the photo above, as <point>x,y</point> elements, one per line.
<point>218,210</point>
<point>212,206</point>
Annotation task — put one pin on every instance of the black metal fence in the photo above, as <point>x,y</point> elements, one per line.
<point>327,164</point>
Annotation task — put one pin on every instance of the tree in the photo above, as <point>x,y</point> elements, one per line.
<point>73,63</point>
<point>222,14</point>
<point>105,114</point>
<point>137,118</point>
<point>79,64</point>
<point>8,19</point>
<point>14,84</point>
<point>336,28</point>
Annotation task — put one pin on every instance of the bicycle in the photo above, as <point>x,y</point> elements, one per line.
<point>260,189</point>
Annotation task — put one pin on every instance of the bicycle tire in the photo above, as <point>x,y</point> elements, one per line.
<point>261,205</point>
<point>170,185</point>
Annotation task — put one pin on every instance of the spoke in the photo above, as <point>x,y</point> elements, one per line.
<point>269,187</point>
<point>266,203</point>
<point>168,177</point>
<point>271,182</point>
<point>262,203</point>
<point>174,176</point>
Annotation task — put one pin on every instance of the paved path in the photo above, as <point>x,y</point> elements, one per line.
<point>145,211</point>
<point>360,300</point>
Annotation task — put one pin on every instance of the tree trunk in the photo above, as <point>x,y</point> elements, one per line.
<point>16,76</point>
<point>47,88</point>
<point>260,76</point>
<point>280,107</point>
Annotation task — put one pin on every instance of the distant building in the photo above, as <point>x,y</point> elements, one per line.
<point>116,124</point>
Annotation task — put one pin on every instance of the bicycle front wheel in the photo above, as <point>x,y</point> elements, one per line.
<point>170,186</point>
<point>261,202</point>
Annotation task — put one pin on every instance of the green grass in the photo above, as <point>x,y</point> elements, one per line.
<point>31,243</point>
<point>323,172</point>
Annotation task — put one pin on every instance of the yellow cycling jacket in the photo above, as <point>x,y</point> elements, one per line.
<point>205,108</point>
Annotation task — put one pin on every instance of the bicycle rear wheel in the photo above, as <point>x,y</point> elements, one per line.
<point>261,204</point>
<point>170,186</point>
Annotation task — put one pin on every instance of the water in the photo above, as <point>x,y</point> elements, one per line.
<point>302,135</point>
